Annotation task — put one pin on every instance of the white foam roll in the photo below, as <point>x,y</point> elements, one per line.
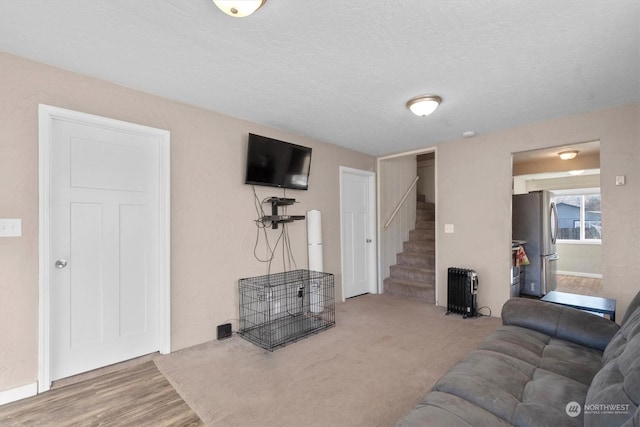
<point>315,296</point>
<point>314,227</point>
<point>315,257</point>
<point>314,247</point>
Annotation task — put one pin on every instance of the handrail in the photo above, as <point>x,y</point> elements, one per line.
<point>413,184</point>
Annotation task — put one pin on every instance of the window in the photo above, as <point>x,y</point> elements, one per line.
<point>579,217</point>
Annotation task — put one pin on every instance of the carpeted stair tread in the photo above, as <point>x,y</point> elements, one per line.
<point>425,225</point>
<point>423,260</point>
<point>425,215</point>
<point>426,206</point>
<point>422,291</point>
<point>419,246</point>
<point>422,235</point>
<point>408,272</point>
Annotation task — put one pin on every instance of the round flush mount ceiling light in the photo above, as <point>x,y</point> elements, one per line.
<point>568,155</point>
<point>239,8</point>
<point>424,105</point>
<point>468,134</point>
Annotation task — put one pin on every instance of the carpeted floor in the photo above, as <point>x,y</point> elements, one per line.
<point>380,359</point>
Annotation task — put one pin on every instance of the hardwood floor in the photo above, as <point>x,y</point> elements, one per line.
<point>580,285</point>
<point>134,396</point>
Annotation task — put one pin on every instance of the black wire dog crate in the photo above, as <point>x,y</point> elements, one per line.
<point>281,308</point>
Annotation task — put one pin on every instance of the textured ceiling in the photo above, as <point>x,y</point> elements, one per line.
<point>342,71</point>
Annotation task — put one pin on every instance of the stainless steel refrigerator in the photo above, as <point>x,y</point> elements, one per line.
<point>535,220</point>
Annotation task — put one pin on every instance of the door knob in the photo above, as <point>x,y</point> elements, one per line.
<point>61,263</point>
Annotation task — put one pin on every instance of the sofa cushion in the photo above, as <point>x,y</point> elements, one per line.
<point>523,377</point>
<point>562,357</point>
<point>618,382</point>
<point>443,409</point>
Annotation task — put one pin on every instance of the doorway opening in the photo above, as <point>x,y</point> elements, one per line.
<point>407,224</point>
<point>575,188</point>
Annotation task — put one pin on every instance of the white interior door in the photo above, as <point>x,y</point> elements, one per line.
<point>105,250</point>
<point>357,205</point>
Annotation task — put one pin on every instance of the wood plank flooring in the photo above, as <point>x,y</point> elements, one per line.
<point>135,396</point>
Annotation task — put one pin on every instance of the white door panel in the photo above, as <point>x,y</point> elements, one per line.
<point>104,210</point>
<point>358,249</point>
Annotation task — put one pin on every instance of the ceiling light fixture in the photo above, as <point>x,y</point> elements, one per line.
<point>568,155</point>
<point>239,8</point>
<point>424,105</point>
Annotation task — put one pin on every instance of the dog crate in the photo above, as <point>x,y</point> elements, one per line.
<point>462,289</point>
<point>278,309</point>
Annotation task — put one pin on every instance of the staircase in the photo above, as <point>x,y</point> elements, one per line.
<point>414,274</point>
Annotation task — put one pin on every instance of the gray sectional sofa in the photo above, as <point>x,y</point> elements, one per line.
<point>547,365</point>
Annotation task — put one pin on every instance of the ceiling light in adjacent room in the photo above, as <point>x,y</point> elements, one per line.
<point>239,8</point>
<point>424,105</point>
<point>568,155</point>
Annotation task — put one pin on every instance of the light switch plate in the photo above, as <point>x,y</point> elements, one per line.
<point>448,228</point>
<point>620,180</point>
<point>10,227</point>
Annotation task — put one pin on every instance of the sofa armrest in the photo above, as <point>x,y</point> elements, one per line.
<point>560,322</point>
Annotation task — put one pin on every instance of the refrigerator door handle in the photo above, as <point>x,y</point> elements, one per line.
<point>553,223</point>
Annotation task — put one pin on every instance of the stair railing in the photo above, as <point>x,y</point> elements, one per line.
<point>406,194</point>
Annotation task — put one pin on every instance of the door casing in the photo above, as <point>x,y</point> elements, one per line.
<point>46,115</point>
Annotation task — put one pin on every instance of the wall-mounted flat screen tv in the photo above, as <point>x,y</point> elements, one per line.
<point>277,163</point>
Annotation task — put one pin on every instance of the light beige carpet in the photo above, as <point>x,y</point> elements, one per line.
<point>380,359</point>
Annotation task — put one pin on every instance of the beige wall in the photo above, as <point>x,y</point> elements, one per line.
<point>426,183</point>
<point>212,226</point>
<point>474,193</point>
<point>580,259</point>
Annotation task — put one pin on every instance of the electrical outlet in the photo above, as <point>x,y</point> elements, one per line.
<point>10,227</point>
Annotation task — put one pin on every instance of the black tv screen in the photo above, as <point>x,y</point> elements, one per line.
<point>277,163</point>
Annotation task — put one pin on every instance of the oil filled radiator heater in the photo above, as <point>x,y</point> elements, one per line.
<point>462,289</point>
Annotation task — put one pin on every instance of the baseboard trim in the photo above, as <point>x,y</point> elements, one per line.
<point>574,273</point>
<point>18,393</point>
